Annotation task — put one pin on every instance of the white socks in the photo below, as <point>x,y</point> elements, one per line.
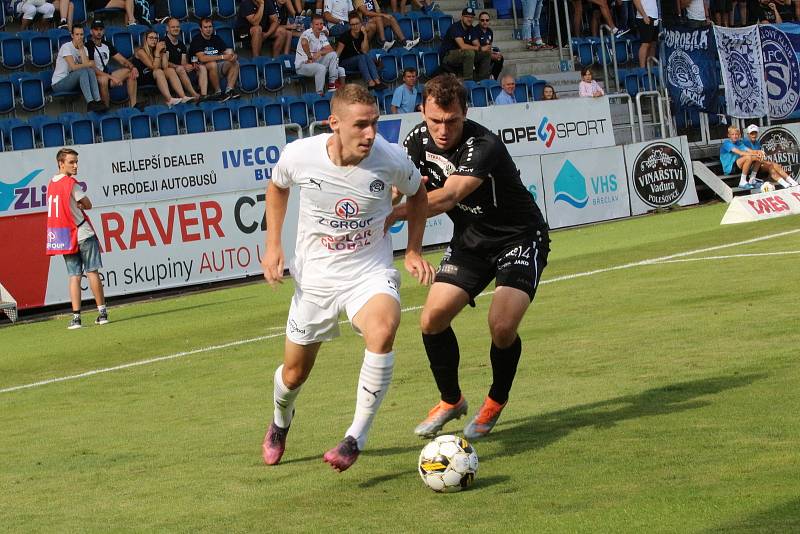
<point>374,380</point>
<point>283,398</point>
<point>784,183</point>
<point>743,180</point>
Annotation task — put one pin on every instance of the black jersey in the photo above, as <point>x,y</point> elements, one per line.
<point>501,210</point>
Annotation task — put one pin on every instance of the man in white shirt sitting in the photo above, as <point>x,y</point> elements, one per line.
<point>315,57</point>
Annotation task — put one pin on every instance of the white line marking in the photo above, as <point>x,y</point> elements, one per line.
<point>663,259</point>
<point>733,256</point>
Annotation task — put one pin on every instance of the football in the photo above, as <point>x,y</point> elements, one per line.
<point>767,187</point>
<point>448,464</point>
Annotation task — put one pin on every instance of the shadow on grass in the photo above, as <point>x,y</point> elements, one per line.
<point>524,434</point>
<point>781,518</point>
<point>179,309</point>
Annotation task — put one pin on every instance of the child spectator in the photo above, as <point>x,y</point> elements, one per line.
<point>589,87</point>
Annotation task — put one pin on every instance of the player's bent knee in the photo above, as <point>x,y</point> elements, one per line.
<point>503,333</point>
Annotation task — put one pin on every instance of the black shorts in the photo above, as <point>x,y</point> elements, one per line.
<point>519,265</point>
<point>648,33</point>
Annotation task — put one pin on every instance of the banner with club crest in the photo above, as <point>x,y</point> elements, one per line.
<point>780,44</point>
<point>691,68</point>
<point>742,64</point>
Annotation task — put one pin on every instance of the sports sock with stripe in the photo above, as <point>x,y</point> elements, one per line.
<point>373,382</point>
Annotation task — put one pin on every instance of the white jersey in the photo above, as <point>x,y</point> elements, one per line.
<point>342,210</point>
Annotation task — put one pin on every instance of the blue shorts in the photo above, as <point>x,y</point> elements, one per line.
<point>87,259</point>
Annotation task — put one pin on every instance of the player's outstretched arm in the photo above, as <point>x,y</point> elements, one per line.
<point>273,260</point>
<point>417,214</point>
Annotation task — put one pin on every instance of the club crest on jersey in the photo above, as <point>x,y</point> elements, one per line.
<point>346,208</point>
<point>442,162</point>
<point>376,186</point>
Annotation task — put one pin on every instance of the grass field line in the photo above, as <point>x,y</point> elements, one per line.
<point>733,256</point>
<point>157,359</point>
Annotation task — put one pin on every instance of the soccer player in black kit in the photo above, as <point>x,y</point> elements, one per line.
<point>498,233</point>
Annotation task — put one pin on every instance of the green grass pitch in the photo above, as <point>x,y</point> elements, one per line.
<point>658,391</point>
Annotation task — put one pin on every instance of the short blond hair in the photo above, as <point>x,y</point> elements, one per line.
<point>733,128</point>
<point>350,94</point>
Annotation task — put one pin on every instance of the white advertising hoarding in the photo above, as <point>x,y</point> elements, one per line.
<point>585,187</point>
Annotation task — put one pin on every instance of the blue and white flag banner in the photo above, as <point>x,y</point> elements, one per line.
<point>742,64</point>
<point>691,68</point>
<point>780,45</point>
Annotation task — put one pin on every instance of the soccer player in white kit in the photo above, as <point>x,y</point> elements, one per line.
<point>343,258</point>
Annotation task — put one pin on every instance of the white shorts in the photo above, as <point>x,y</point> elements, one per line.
<point>315,318</point>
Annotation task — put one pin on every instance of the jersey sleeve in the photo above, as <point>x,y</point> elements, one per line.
<point>479,157</point>
<point>412,146</point>
<point>283,172</point>
<point>77,192</point>
<point>407,177</point>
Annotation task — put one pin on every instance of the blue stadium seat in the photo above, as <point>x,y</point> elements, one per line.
<point>5,128</point>
<point>12,52</point>
<point>167,122</point>
<point>583,47</point>
<point>248,76</point>
<point>226,33</point>
<point>22,137</point>
<point>478,94</point>
<point>321,107</point>
<point>406,58</point>
<point>425,29</point>
<point>51,131</point>
<point>31,92</point>
<point>3,17</point>
<point>82,131</point>
<point>194,121</point>
<point>160,29</point>
<point>79,11</point>
<point>226,8</point>
<point>189,30</point>
<point>202,8</point>
<point>246,113</point>
<point>138,32</point>
<point>222,118</point>
<point>493,86</point>
<point>430,62</point>
<point>178,9</point>
<point>405,25</point>
<point>123,41</point>
<point>111,128</point>
<point>443,23</point>
<point>140,126</point>
<point>386,102</point>
<point>271,111</point>
<point>40,49</point>
<point>7,96</point>
<point>270,72</point>
<point>388,71</point>
<point>296,110</point>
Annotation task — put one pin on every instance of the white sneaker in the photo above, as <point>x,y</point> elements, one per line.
<point>387,45</point>
<point>411,44</point>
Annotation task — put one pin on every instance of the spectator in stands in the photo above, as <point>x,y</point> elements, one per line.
<point>775,171</point>
<point>531,31</point>
<point>66,10</point>
<point>28,9</point>
<point>647,22</point>
<point>460,51</point>
<point>74,69</point>
<point>352,49</point>
<point>605,13</point>
<point>152,61</point>
<point>287,21</point>
<point>178,59</point>
<point>720,10</point>
<point>625,14</point>
<point>257,20</point>
<point>696,13</point>
<point>767,12</point>
<point>589,87</point>
<point>404,99</point>
<point>335,14</point>
<point>506,96</point>
<point>549,93</point>
<point>69,234</point>
<point>315,57</point>
<point>400,6</point>
<point>219,60</point>
<point>734,151</point>
<point>485,37</point>
<point>102,52</point>
<point>742,5</point>
<point>127,5</point>
<point>376,22</point>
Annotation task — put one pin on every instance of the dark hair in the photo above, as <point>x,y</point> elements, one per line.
<point>445,90</point>
<point>555,95</point>
<point>206,19</point>
<point>409,69</point>
<point>586,70</point>
<point>316,16</point>
<point>482,13</point>
<point>75,27</point>
<point>62,154</point>
<point>353,15</point>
